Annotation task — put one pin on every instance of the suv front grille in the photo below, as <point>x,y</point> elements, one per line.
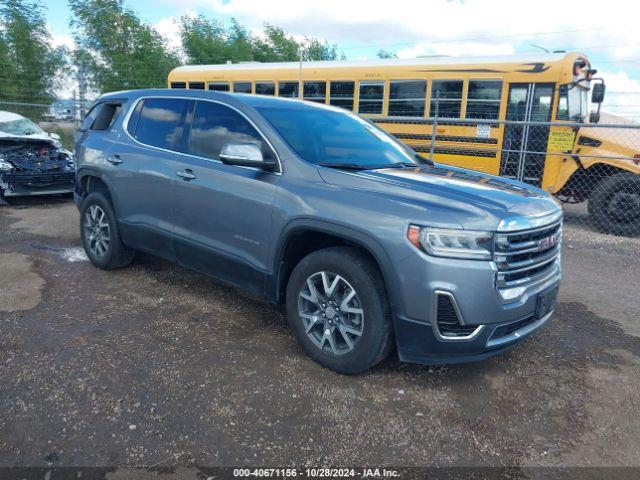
<point>524,256</point>
<point>448,323</point>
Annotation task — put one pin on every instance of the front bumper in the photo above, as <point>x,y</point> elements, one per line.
<point>472,287</point>
<point>22,184</point>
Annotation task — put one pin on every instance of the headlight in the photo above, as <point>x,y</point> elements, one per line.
<point>440,242</point>
<point>5,166</point>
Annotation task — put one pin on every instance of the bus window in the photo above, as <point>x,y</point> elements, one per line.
<point>241,87</point>
<point>371,97</point>
<point>178,85</point>
<point>288,89</point>
<point>265,88</point>
<point>219,86</point>
<point>450,94</point>
<point>315,91</point>
<point>483,99</point>
<point>196,85</point>
<point>406,98</point>
<point>341,94</point>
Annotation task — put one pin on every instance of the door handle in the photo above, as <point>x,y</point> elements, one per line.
<point>115,160</point>
<point>186,174</point>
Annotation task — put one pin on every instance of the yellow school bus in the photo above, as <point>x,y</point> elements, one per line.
<point>525,117</point>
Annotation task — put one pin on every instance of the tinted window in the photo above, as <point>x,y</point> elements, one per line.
<point>101,116</point>
<point>219,86</point>
<point>196,85</point>
<point>87,123</point>
<point>483,99</point>
<point>406,98</point>
<point>341,94</point>
<point>161,122</point>
<point>265,88</point>
<point>242,87</point>
<point>214,125</point>
<point>288,89</point>
<point>450,94</point>
<point>371,97</point>
<point>315,91</point>
<point>321,135</point>
<point>178,85</point>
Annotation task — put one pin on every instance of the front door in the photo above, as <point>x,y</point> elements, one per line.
<point>223,212</point>
<point>525,143</point>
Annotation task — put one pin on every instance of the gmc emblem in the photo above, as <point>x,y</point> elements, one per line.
<point>547,243</point>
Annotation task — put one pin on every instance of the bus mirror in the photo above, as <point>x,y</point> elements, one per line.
<point>594,117</point>
<point>597,93</point>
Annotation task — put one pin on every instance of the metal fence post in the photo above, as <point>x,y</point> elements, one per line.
<point>434,128</point>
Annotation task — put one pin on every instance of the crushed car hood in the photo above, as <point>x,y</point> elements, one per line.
<point>34,155</point>
<point>36,137</point>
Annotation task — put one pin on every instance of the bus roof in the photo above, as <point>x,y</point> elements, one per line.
<point>503,59</point>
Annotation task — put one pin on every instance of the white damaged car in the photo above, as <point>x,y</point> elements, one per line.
<point>32,161</point>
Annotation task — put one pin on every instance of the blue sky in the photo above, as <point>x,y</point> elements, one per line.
<point>428,27</point>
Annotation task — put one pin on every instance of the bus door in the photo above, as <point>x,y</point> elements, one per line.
<point>524,145</point>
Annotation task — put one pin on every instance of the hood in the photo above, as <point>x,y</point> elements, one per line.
<point>36,137</point>
<point>474,200</point>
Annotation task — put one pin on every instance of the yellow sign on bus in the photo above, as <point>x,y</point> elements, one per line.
<point>560,140</point>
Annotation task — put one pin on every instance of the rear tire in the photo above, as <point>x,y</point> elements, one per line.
<point>614,204</point>
<point>100,236</point>
<point>358,323</point>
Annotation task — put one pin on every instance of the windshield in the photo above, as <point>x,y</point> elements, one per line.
<point>573,103</point>
<point>332,137</point>
<point>22,126</point>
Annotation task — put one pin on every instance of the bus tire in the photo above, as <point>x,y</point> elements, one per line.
<point>614,204</point>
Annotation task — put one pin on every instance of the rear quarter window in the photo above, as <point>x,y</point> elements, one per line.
<point>102,116</point>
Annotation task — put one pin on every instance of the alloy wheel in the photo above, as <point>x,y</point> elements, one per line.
<point>97,232</point>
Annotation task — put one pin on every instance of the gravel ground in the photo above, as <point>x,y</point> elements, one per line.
<point>154,364</point>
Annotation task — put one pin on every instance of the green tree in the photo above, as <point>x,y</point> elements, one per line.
<point>317,50</point>
<point>119,50</point>
<point>29,62</point>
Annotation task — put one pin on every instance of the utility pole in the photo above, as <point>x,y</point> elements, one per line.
<point>82,88</point>
<point>300,84</point>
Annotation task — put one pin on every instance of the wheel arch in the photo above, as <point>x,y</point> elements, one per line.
<point>302,237</point>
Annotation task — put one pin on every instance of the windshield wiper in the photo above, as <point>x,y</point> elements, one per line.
<point>345,166</point>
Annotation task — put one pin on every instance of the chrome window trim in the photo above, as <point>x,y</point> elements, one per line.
<point>125,128</point>
<point>434,319</point>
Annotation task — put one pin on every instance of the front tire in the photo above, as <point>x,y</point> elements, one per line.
<point>614,204</point>
<point>100,235</point>
<point>338,310</point>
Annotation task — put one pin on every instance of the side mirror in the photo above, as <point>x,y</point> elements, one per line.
<point>245,154</point>
<point>594,117</point>
<point>597,93</point>
<point>55,136</point>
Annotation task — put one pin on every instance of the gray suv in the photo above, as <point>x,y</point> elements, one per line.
<point>368,245</point>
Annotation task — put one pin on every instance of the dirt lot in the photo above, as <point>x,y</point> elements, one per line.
<point>155,364</point>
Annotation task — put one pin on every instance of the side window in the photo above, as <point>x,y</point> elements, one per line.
<point>265,88</point>
<point>196,85</point>
<point>341,94</point>
<point>241,87</point>
<point>288,89</point>
<point>315,91</point>
<point>161,122</point>
<point>102,116</point>
<point>371,97</point>
<point>406,98</point>
<point>483,99</point>
<point>178,85</point>
<point>87,123</point>
<point>450,94</point>
<point>219,86</point>
<point>214,125</point>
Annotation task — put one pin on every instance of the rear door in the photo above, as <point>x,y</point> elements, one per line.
<point>143,159</point>
<point>524,144</point>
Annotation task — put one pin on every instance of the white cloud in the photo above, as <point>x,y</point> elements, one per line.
<point>622,96</point>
